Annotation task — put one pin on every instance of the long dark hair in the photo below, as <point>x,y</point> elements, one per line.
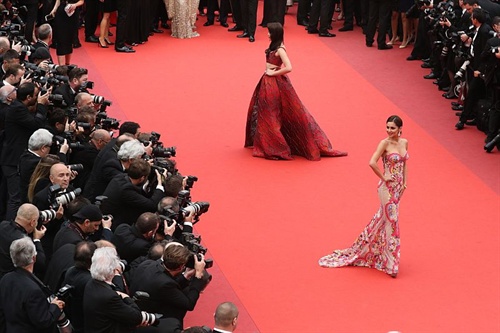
<point>276,34</point>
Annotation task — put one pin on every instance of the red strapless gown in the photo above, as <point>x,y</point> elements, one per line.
<point>279,125</point>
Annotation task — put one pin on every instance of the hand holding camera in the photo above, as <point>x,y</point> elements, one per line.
<point>60,304</point>
<point>44,98</point>
<point>169,230</point>
<point>39,233</point>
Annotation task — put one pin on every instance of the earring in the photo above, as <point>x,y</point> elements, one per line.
<point>399,133</point>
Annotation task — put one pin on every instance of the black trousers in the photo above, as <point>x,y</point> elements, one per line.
<point>322,11</point>
<point>224,8</point>
<point>422,47</point>
<point>91,17</point>
<point>274,11</point>
<point>236,10</point>
<point>379,12</point>
<point>303,9</point>
<point>29,18</point>
<point>249,15</point>
<point>122,7</point>
<point>475,92</point>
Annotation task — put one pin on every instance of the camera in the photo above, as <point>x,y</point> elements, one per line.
<point>494,142</point>
<point>58,140</point>
<point>192,242</point>
<point>461,72</point>
<point>45,216</point>
<point>57,197</point>
<point>105,122</point>
<point>190,182</point>
<point>150,319</point>
<point>75,167</point>
<point>63,294</point>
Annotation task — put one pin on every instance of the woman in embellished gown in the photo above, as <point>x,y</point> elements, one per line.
<point>278,124</point>
<point>183,15</point>
<point>378,245</point>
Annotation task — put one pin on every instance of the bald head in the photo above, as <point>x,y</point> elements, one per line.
<point>226,316</point>
<point>60,175</point>
<point>27,217</point>
<point>84,99</point>
<point>100,138</point>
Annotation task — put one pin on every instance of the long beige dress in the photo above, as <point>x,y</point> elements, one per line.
<point>183,16</point>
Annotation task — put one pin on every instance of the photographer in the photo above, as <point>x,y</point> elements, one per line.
<point>133,241</point>
<point>44,40</point>
<point>173,289</point>
<point>107,310</point>
<point>77,80</point>
<point>10,57</point>
<point>126,199</point>
<point>84,223</point>
<point>39,146</point>
<point>226,318</point>
<point>78,276</point>
<point>476,89</point>
<point>111,165</point>
<point>13,76</point>
<point>169,208</point>
<point>84,99</point>
<point>23,298</point>
<point>87,155</point>
<point>60,175</point>
<point>24,224</point>
<point>24,116</point>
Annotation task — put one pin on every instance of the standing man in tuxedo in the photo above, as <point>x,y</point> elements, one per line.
<point>249,19</point>
<point>122,7</point>
<point>320,11</point>
<point>303,9</point>
<point>223,11</point>
<point>236,10</point>
<point>91,16</point>
<point>226,318</point>
<point>274,11</point>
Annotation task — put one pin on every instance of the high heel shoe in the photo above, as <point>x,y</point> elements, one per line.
<point>100,44</point>
<point>108,42</point>
<point>403,45</point>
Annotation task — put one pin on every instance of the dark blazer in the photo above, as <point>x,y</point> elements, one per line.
<point>86,157</point>
<point>24,304</point>
<point>105,154</point>
<point>27,164</point>
<point>479,44</point>
<point>9,232</point>
<point>106,312</point>
<point>170,296</point>
<point>127,201</point>
<point>68,234</point>
<point>60,262</point>
<point>67,94</point>
<point>78,278</point>
<point>37,45</point>
<point>19,125</point>
<point>129,242</point>
<point>101,177</point>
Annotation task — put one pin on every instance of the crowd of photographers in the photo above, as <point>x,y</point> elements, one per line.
<point>97,231</point>
<point>460,42</point>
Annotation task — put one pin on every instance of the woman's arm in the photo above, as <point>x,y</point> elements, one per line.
<point>56,6</point>
<point>405,170</point>
<point>382,146</point>
<point>287,65</point>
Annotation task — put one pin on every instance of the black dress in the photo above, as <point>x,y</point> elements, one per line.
<point>107,6</point>
<point>66,27</point>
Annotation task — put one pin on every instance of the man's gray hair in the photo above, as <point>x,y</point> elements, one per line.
<point>44,31</point>
<point>22,252</point>
<point>6,91</point>
<point>104,262</point>
<point>131,149</point>
<point>41,137</point>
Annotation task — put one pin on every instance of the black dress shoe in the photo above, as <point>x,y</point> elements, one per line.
<point>412,57</point>
<point>457,107</point>
<point>346,28</point>
<point>303,23</point>
<point>225,25</point>
<point>77,45</point>
<point>206,24</point>
<point>430,76</point>
<point>443,88</point>
<point>459,126</point>
<point>426,59</point>
<point>458,114</point>
<point>449,95</point>
<point>92,39</point>
<point>455,103</point>
<point>124,49</point>
<point>326,34</point>
<point>384,47</point>
<point>235,28</point>
<point>312,31</point>
<point>243,35</point>
<point>157,31</point>
<point>369,44</point>
<point>251,39</point>
<point>426,65</point>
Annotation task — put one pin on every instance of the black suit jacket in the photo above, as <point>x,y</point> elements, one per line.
<point>78,278</point>
<point>170,296</point>
<point>9,232</point>
<point>39,44</point>
<point>86,157</point>
<point>27,164</point>
<point>60,262</point>
<point>19,125</point>
<point>24,304</point>
<point>67,94</point>
<point>479,44</point>
<point>129,242</point>
<point>127,201</point>
<point>101,177</point>
<point>106,312</point>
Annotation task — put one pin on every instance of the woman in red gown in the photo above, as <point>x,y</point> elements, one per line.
<point>278,124</point>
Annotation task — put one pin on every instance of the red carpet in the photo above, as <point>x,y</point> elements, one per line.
<point>269,222</point>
